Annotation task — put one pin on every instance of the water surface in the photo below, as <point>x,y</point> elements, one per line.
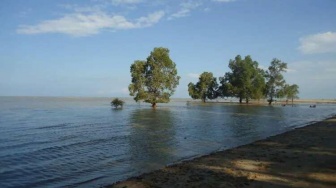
<point>82,142</point>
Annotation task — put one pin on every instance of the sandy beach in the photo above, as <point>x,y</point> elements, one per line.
<point>304,157</point>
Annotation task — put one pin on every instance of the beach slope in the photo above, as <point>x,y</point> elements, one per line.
<point>304,157</point>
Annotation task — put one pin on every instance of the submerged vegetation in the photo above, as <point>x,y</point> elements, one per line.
<point>117,103</point>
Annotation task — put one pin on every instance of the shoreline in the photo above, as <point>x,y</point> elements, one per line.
<point>302,157</point>
<point>265,103</point>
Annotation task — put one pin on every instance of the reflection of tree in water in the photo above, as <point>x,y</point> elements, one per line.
<point>152,138</point>
<point>254,122</point>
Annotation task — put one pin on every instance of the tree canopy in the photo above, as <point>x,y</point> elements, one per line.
<point>205,88</point>
<point>155,79</point>
<point>290,91</point>
<point>117,102</point>
<point>245,81</point>
<point>275,80</point>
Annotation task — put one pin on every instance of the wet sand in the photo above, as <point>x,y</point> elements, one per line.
<point>304,157</point>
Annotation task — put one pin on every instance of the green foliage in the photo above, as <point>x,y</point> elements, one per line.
<point>226,89</point>
<point>245,81</point>
<point>258,85</point>
<point>290,92</point>
<point>117,102</point>
<point>205,88</point>
<point>275,80</point>
<point>154,80</point>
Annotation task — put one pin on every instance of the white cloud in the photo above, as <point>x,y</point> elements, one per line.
<point>25,13</point>
<point>119,2</point>
<point>315,78</point>
<point>149,20</point>
<point>206,9</point>
<point>223,1</point>
<point>84,8</point>
<point>124,90</point>
<point>318,43</point>
<point>310,67</point>
<point>263,67</point>
<point>90,19</point>
<point>331,70</point>
<point>190,4</point>
<point>80,24</point>
<point>185,9</point>
<point>291,70</point>
<point>193,75</point>
<point>306,71</point>
<point>179,14</point>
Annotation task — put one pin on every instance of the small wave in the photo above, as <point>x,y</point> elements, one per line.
<point>183,159</point>
<point>67,137</point>
<point>55,151</point>
<point>55,126</point>
<point>86,182</point>
<point>22,145</point>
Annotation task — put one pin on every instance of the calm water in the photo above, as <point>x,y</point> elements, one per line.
<point>82,142</point>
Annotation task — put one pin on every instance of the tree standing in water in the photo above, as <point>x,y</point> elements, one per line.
<point>117,102</point>
<point>245,81</point>
<point>155,79</point>
<point>205,88</point>
<point>291,92</point>
<point>275,80</point>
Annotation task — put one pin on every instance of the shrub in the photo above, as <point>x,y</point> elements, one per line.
<point>117,102</point>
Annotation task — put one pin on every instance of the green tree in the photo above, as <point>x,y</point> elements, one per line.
<point>291,92</point>
<point>117,102</point>
<point>226,89</point>
<point>154,80</point>
<point>258,85</point>
<point>275,80</point>
<point>205,88</point>
<point>245,81</point>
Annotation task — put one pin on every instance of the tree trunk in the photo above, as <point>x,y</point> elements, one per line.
<point>153,105</point>
<point>247,100</point>
<point>203,98</point>
<point>292,101</point>
<point>270,101</point>
<point>240,100</point>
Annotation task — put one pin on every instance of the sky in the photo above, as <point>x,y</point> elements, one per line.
<point>85,48</point>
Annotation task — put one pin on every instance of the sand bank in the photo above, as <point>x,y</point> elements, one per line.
<point>304,157</point>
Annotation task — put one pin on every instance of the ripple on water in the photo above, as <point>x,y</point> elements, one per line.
<point>86,145</point>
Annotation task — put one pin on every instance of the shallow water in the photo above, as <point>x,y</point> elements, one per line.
<point>82,142</point>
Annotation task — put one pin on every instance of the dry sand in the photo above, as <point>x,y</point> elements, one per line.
<point>304,157</point>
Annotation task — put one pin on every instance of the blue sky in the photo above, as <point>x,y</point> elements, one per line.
<point>85,48</point>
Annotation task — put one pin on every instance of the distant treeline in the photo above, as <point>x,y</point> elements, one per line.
<point>245,81</point>
<point>155,79</point>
